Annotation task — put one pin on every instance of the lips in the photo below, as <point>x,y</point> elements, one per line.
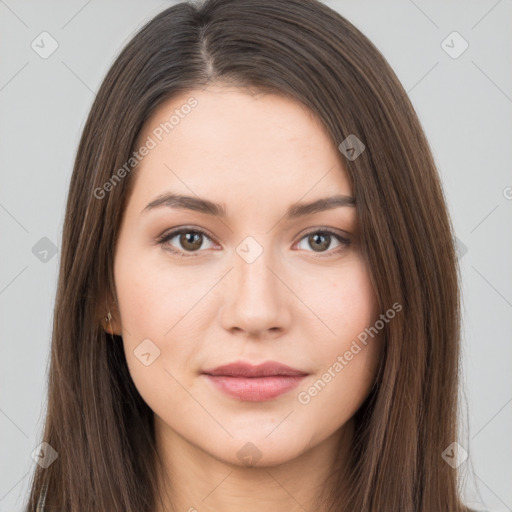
<point>241,369</point>
<point>254,383</point>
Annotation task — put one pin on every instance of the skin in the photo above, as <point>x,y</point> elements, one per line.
<point>298,303</point>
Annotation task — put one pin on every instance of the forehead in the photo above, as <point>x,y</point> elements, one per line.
<point>225,141</point>
<point>230,115</point>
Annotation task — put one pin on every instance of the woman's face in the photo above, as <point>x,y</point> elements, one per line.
<point>261,282</point>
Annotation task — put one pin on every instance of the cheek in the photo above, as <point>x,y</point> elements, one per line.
<point>359,343</point>
<point>347,371</point>
<point>156,303</point>
<point>347,303</point>
<point>153,293</point>
<point>137,295</point>
<point>348,358</point>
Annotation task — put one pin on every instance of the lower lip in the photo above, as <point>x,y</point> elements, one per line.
<point>255,389</point>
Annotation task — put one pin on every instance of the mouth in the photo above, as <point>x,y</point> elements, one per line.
<point>254,383</point>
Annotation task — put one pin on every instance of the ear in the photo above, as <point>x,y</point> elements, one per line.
<point>112,326</point>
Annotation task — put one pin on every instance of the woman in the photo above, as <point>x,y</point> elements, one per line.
<point>258,296</point>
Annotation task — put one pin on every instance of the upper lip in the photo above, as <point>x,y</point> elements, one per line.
<point>243,369</point>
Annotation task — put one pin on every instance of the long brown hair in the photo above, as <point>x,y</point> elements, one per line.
<point>96,420</point>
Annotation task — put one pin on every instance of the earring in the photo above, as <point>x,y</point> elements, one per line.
<point>108,320</point>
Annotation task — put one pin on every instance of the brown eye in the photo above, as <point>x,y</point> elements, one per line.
<point>191,241</point>
<point>320,241</point>
<point>187,241</point>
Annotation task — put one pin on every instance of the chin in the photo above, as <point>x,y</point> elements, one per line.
<point>258,451</point>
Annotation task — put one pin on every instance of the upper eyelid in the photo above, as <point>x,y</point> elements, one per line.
<point>177,231</point>
<point>320,229</point>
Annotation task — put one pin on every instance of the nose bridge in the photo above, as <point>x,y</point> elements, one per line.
<point>253,280</point>
<point>256,301</point>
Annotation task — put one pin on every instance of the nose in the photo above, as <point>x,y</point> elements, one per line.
<point>257,302</point>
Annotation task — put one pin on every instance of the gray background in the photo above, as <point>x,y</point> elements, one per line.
<point>464,104</point>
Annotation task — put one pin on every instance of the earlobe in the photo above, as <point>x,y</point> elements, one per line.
<point>108,314</point>
<point>109,324</point>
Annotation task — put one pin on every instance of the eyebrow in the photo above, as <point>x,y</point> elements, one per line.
<point>198,204</point>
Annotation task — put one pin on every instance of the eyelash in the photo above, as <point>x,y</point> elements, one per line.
<point>182,254</point>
